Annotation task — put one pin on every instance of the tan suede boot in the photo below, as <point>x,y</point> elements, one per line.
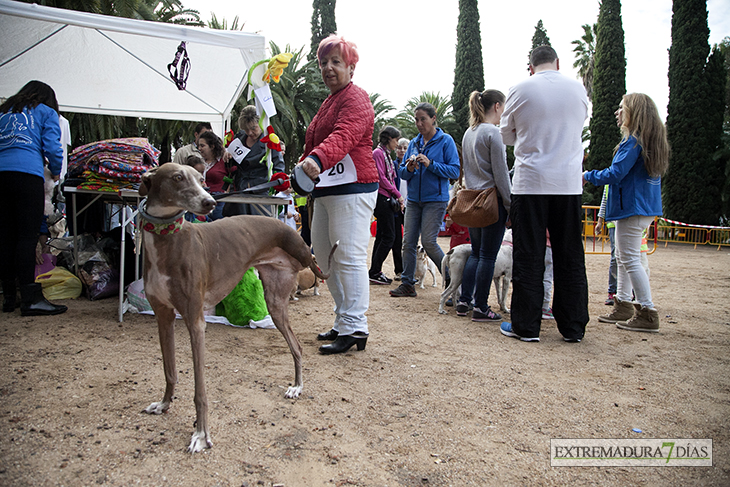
<point>645,319</point>
<point>622,311</point>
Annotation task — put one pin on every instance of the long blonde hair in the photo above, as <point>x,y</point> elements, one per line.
<point>481,103</point>
<point>640,118</point>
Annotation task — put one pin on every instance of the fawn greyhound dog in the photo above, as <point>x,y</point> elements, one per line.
<point>191,266</point>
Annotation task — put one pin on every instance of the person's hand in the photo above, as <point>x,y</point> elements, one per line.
<point>422,159</point>
<point>598,229</point>
<point>411,164</point>
<point>56,178</point>
<point>226,156</point>
<point>402,202</point>
<point>448,221</point>
<point>508,223</point>
<point>311,168</point>
<point>296,217</point>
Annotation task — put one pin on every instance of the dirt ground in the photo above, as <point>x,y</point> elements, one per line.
<point>433,400</point>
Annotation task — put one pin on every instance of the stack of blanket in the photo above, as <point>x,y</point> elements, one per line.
<point>112,164</point>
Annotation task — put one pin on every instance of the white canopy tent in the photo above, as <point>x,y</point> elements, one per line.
<point>118,66</point>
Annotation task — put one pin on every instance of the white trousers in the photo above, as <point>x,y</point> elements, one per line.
<point>345,218</point>
<point>628,255</point>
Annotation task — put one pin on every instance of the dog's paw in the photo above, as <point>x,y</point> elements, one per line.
<point>293,298</point>
<point>293,392</point>
<point>157,408</point>
<point>199,442</point>
<point>315,293</point>
<point>443,311</point>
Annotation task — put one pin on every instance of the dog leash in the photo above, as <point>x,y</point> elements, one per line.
<point>270,184</point>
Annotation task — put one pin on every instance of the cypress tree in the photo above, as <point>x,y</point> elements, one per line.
<point>609,86</point>
<point>469,69</point>
<point>691,188</point>
<point>323,23</point>
<point>539,38</point>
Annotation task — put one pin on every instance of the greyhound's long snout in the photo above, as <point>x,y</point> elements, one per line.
<point>208,204</point>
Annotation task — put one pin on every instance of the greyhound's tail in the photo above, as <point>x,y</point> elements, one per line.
<point>315,268</point>
<point>445,264</point>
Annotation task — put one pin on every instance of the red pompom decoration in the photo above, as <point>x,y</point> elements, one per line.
<point>285,177</point>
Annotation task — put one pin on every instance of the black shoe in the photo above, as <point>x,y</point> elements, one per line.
<point>33,303</point>
<point>381,279</point>
<point>343,343</point>
<point>450,302</point>
<point>10,296</point>
<point>404,291</point>
<point>462,309</point>
<point>328,336</point>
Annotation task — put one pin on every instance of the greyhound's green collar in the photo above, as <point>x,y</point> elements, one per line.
<point>160,226</point>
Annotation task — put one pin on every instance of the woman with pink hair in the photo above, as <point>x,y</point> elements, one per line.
<point>338,155</point>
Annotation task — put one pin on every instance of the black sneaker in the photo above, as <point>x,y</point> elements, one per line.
<point>381,279</point>
<point>404,291</point>
<point>480,316</point>
<point>462,308</point>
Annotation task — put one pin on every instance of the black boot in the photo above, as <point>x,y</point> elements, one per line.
<point>33,303</point>
<point>343,343</point>
<point>10,296</point>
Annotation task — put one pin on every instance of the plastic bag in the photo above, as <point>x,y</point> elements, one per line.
<point>136,296</point>
<point>59,283</point>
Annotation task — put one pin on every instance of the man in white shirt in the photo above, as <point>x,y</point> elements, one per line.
<point>182,154</point>
<point>543,118</point>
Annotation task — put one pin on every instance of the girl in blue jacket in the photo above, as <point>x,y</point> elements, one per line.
<point>430,161</point>
<point>29,133</point>
<point>634,199</point>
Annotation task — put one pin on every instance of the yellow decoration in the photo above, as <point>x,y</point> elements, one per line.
<point>276,66</point>
<point>274,138</point>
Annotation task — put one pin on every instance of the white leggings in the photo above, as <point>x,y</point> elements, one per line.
<point>628,255</point>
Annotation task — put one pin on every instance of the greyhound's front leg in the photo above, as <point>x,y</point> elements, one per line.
<point>166,330</point>
<point>201,437</point>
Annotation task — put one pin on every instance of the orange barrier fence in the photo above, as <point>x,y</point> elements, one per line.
<point>599,243</point>
<point>677,232</point>
<point>661,230</point>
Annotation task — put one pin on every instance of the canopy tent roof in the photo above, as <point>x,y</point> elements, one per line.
<point>118,66</point>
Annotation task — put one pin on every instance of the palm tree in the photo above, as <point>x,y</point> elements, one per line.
<point>585,51</point>
<point>222,24</point>
<point>381,107</point>
<point>444,118</point>
<point>297,96</point>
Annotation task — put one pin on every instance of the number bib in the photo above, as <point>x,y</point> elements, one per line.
<point>238,150</point>
<point>343,172</point>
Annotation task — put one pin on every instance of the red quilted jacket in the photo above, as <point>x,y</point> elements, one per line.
<point>344,125</point>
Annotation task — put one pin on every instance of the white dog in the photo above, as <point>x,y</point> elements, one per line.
<point>455,260</point>
<point>503,270</point>
<point>423,264</point>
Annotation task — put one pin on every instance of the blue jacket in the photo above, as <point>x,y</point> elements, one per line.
<point>431,184</point>
<point>631,190</point>
<point>29,136</point>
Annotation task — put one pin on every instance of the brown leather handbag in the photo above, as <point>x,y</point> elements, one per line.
<point>474,208</point>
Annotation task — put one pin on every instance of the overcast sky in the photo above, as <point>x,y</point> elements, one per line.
<point>407,48</point>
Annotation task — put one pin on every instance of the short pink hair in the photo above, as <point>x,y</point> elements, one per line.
<point>348,50</point>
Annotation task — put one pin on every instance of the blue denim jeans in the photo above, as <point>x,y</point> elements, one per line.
<point>613,265</point>
<point>479,270</point>
<point>424,220</point>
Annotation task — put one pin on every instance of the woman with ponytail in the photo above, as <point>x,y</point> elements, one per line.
<point>485,166</point>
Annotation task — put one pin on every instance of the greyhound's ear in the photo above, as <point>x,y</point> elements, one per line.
<point>147,181</point>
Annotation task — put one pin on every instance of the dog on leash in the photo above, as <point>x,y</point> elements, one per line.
<point>424,264</point>
<point>189,267</point>
<point>455,259</point>
<point>503,270</point>
<point>305,280</point>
